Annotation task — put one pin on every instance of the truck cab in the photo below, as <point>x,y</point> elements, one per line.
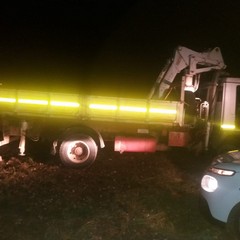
<point>224,99</point>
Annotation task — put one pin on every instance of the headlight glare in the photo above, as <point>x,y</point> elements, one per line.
<point>222,172</point>
<point>209,183</point>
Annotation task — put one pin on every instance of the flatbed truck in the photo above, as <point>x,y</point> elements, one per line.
<point>78,126</point>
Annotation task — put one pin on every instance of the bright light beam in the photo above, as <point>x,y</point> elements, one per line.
<point>64,104</point>
<point>33,101</point>
<point>103,106</point>
<point>8,100</point>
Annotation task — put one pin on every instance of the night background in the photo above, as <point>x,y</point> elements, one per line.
<point>114,48</point>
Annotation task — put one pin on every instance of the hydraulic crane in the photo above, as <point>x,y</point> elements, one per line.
<point>193,62</point>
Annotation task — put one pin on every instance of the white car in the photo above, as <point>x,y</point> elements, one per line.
<point>220,188</point>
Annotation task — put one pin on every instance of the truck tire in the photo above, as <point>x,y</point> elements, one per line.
<point>233,223</point>
<point>78,150</point>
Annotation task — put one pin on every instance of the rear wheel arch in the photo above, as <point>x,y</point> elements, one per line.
<point>223,141</point>
<point>96,135</point>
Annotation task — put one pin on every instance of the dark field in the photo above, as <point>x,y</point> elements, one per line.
<point>129,196</point>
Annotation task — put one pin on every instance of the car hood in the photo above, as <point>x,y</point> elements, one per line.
<point>229,157</point>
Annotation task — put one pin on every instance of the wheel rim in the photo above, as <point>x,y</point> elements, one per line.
<point>78,151</point>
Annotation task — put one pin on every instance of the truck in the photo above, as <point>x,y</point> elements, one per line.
<point>184,109</point>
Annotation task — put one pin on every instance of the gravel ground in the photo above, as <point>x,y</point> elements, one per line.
<point>128,196</point>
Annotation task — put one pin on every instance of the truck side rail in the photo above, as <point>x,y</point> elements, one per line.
<point>62,105</point>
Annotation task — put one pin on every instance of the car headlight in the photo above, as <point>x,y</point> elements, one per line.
<point>209,183</point>
<point>223,172</point>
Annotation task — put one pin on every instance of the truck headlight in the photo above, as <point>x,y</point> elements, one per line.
<point>209,183</point>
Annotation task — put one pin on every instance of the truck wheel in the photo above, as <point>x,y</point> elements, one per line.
<point>233,223</point>
<point>78,151</point>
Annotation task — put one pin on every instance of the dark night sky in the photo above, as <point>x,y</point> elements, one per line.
<point>108,47</point>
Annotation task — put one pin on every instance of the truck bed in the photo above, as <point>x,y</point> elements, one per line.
<point>82,107</point>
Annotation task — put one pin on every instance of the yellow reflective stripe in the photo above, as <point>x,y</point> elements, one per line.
<point>33,101</point>
<point>64,104</point>
<point>7,100</point>
<point>163,111</point>
<point>228,126</point>
<point>103,106</point>
<point>133,109</point>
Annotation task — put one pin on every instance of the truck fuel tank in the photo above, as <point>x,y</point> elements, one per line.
<point>135,144</point>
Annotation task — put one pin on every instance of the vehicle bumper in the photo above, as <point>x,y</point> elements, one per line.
<point>223,199</point>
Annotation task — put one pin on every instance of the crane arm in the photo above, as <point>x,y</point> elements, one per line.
<point>194,62</point>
